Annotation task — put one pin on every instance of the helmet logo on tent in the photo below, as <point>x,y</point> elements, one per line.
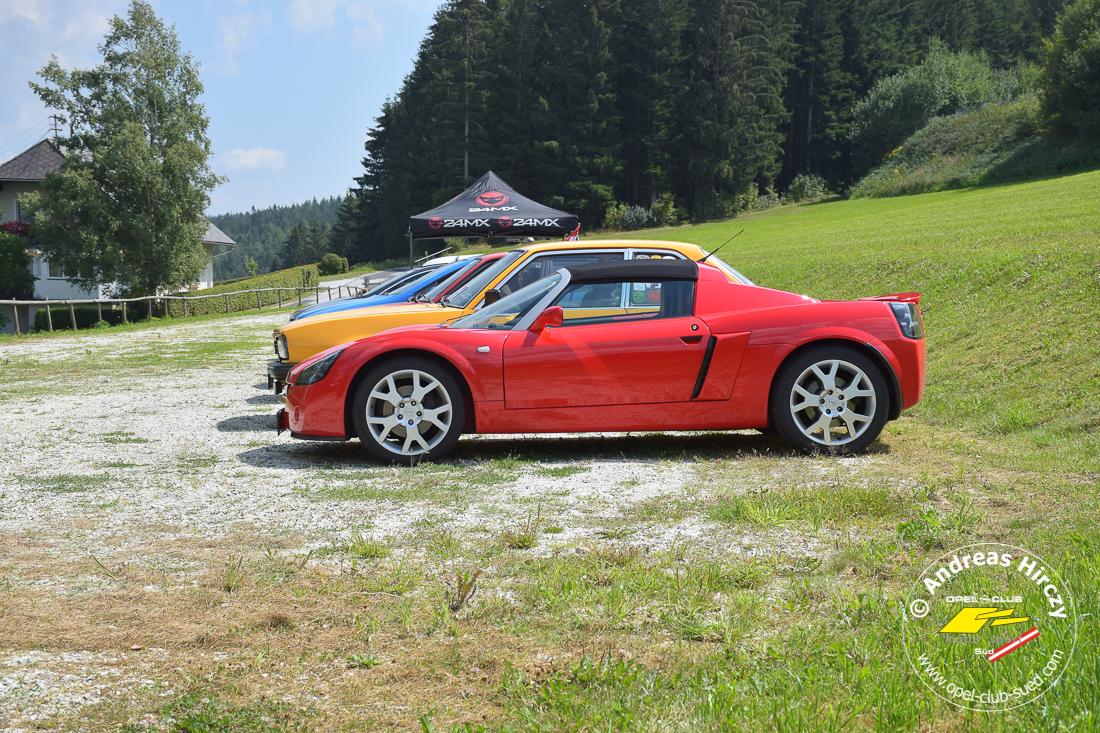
<point>492,198</point>
<point>435,222</point>
<point>505,221</point>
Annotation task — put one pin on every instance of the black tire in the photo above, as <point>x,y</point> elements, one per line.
<point>824,395</point>
<point>389,440</point>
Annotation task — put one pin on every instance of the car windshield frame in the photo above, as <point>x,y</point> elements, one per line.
<point>420,283</point>
<point>729,271</point>
<point>466,294</point>
<point>441,287</point>
<point>388,286</point>
<point>515,306</point>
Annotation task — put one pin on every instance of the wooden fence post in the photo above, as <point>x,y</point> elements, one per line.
<point>280,292</point>
<point>98,311</point>
<point>124,319</point>
<point>49,316</point>
<point>72,314</point>
<point>15,312</point>
<point>258,306</point>
<point>299,297</point>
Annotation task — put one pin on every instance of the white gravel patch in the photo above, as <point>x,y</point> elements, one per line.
<point>110,465</point>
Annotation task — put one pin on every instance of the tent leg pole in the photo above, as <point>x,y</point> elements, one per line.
<point>410,249</point>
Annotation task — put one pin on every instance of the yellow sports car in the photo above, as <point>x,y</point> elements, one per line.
<point>522,266</point>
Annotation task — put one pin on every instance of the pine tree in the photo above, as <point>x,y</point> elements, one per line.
<point>127,205</point>
<point>649,82</point>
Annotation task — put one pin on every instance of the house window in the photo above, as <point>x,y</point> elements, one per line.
<point>55,272</point>
<point>18,210</point>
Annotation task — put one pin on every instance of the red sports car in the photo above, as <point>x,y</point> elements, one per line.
<point>660,344</point>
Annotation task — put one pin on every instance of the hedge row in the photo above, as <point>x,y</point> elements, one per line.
<point>295,277</point>
<point>86,317</point>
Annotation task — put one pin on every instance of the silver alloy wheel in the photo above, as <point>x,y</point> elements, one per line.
<point>409,412</point>
<point>833,402</point>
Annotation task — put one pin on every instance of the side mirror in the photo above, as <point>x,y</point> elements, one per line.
<point>552,316</point>
<point>491,296</point>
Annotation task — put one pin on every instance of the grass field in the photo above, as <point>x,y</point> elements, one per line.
<point>1011,280</point>
<point>683,582</point>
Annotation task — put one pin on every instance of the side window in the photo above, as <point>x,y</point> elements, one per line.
<point>55,271</point>
<point>586,303</point>
<point>548,264</point>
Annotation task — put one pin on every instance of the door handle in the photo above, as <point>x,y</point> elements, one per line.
<point>691,339</point>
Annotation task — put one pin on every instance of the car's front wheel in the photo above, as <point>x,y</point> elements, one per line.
<point>408,410</point>
<point>830,399</point>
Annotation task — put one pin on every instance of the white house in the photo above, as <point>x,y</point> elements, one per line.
<point>23,174</point>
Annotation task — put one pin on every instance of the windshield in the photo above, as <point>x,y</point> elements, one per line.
<point>393,283</point>
<point>737,276</point>
<point>462,297</point>
<point>426,280</point>
<point>442,287</point>
<point>507,311</point>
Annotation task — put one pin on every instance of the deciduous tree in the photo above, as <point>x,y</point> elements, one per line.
<point>127,205</point>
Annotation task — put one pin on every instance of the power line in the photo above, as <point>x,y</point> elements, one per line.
<point>19,140</point>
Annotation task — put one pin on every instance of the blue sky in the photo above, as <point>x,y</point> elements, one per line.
<point>291,85</point>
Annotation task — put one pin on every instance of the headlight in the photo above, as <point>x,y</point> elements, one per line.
<point>908,319</point>
<point>317,371</point>
<point>281,349</point>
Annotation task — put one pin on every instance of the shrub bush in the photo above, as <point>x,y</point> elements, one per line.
<point>1071,73</point>
<point>613,219</point>
<point>899,105</point>
<point>806,187</point>
<point>86,317</point>
<point>998,142</point>
<point>295,277</point>
<point>332,264</point>
<point>16,279</point>
<point>635,217</point>
<point>663,212</point>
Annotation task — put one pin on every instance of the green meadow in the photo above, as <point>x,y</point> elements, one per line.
<point>649,582</point>
<point>1010,279</point>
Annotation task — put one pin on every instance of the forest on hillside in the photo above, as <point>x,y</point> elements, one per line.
<point>261,235</point>
<point>586,106</point>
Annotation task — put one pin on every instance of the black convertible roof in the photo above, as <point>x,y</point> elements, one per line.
<point>635,271</point>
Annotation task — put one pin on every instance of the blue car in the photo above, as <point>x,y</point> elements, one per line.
<point>400,288</point>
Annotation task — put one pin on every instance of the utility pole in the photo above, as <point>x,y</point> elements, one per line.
<point>55,127</point>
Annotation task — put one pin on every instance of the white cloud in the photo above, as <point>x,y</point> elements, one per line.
<point>24,9</point>
<point>237,34</point>
<point>309,16</point>
<point>239,160</point>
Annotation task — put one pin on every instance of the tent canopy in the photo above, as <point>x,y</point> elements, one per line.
<point>491,208</point>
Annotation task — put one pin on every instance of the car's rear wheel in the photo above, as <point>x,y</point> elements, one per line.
<point>830,399</point>
<point>408,410</point>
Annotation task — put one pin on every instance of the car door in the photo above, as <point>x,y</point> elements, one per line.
<point>605,355</point>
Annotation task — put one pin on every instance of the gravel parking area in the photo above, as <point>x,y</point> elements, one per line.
<point>142,459</point>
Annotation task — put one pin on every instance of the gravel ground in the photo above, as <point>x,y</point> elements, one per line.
<point>110,461</point>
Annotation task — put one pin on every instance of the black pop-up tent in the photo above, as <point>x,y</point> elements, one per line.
<point>490,208</point>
